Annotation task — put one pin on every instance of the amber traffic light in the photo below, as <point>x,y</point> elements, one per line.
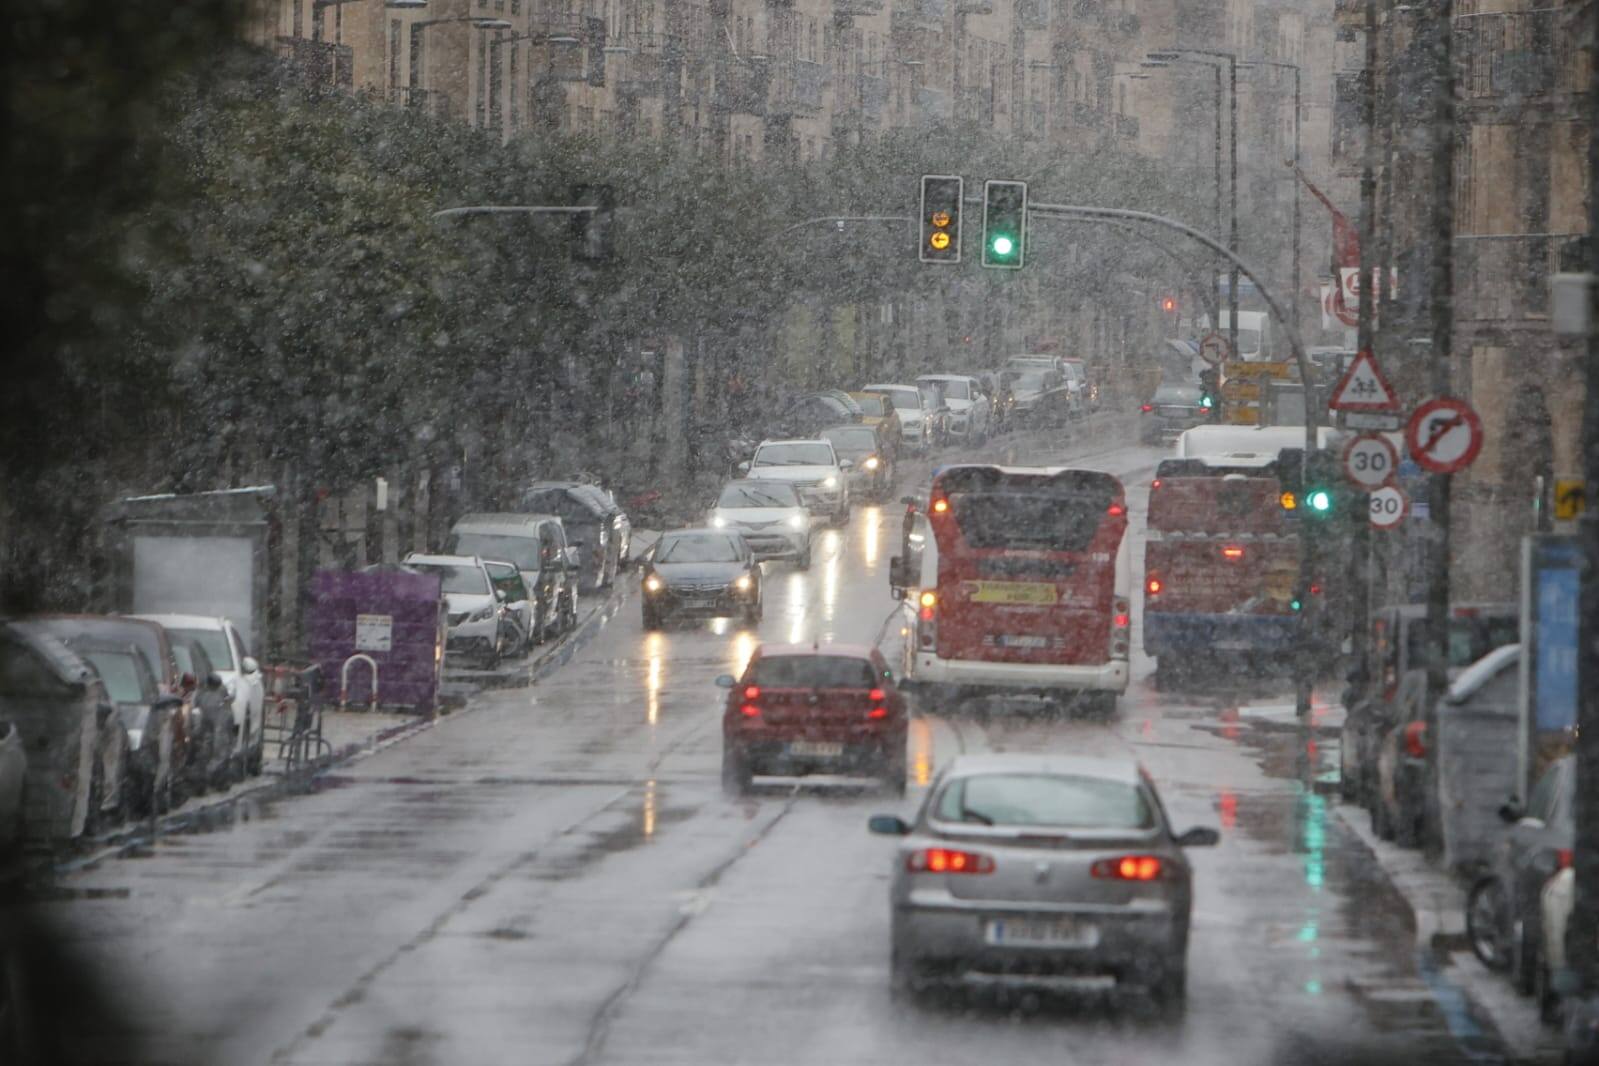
<point>940,239</point>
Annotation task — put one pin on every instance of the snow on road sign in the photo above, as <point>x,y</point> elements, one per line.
<point>1363,388</point>
<point>1444,435</point>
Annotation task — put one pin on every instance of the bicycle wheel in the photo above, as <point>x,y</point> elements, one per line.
<point>1488,924</point>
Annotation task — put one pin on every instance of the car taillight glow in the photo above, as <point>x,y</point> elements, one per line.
<point>1204,410</point>
<point>1232,551</point>
<point>877,712</point>
<point>1416,740</point>
<point>1154,585</point>
<point>877,695</point>
<point>1563,859</point>
<point>940,505</point>
<point>1155,484</point>
<point>1128,868</point>
<point>752,692</point>
<point>948,861</point>
<point>1115,510</point>
<point>1146,407</point>
<point>749,710</point>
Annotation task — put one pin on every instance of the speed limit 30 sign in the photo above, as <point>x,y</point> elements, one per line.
<point>1370,460</point>
<point>1389,506</point>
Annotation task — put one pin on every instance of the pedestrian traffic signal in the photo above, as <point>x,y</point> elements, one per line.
<point>940,240</point>
<point>1004,224</point>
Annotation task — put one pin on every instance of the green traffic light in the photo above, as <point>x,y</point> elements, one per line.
<point>1319,500</point>
<point>1294,604</point>
<point>1003,245</point>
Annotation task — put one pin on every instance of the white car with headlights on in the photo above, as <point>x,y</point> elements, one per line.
<point>769,513</point>
<point>814,469</point>
<point>476,609</point>
<point>1031,869</point>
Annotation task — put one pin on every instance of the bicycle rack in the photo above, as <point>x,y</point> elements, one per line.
<point>344,680</point>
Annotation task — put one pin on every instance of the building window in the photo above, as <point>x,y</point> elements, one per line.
<point>482,80</point>
<point>394,56</point>
<point>516,115</point>
<point>496,107</point>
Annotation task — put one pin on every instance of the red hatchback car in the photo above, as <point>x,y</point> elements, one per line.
<point>813,709</point>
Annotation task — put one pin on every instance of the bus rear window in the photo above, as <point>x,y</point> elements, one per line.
<point>1027,520</point>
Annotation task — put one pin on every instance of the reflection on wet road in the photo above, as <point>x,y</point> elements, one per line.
<point>556,877</point>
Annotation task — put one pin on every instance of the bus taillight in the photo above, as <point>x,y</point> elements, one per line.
<point>1153,586</point>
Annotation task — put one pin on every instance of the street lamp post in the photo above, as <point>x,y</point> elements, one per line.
<point>1175,55</point>
<point>1281,65</point>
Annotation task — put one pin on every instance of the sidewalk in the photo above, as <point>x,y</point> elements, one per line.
<point>1437,904</point>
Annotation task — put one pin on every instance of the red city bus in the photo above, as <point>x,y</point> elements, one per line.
<point>1016,580</point>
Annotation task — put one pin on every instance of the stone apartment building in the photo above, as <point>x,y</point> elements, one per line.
<point>1520,180</point>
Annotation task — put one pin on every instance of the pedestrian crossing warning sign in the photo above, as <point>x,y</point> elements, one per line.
<point>1363,388</point>
<point>1570,498</point>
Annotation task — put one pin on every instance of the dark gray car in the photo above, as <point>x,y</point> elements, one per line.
<point>1174,407</point>
<point>710,573</point>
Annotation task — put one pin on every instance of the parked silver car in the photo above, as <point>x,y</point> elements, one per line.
<point>1023,868</point>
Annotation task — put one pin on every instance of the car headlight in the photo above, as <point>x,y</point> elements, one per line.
<point>742,583</point>
<point>830,483</point>
<point>796,521</point>
<point>482,614</point>
<point>718,521</point>
<point>135,736</point>
<point>653,584</point>
<point>872,463</point>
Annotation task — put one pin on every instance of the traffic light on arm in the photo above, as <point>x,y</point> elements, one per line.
<point>940,240</point>
<point>1004,224</point>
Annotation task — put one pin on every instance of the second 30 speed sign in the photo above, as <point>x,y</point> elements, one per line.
<point>1370,460</point>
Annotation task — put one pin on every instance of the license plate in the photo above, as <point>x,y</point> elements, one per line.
<point>1024,642</point>
<point>1030,592</point>
<point>697,604</point>
<point>816,749</point>
<point>1040,932</point>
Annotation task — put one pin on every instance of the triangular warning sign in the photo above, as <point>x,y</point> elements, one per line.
<point>1363,388</point>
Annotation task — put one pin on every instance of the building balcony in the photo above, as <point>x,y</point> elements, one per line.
<point>918,13</point>
<point>975,104</point>
<point>1349,14</point>
<point>974,7</point>
<point>874,97</point>
<point>1125,127</point>
<point>932,104</point>
<point>740,88</point>
<point>1033,14</point>
<point>796,88</point>
<point>1087,115</point>
<point>1123,23</point>
<point>643,74</point>
<point>1515,59</point>
<point>318,64</point>
<point>857,8</point>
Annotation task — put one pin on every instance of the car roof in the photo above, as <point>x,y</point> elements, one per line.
<point>418,559</point>
<point>846,651</point>
<point>890,385</point>
<point>186,621</point>
<point>706,530</point>
<point>944,377</point>
<point>500,521</point>
<point>795,440</point>
<point>1108,767</point>
<point>62,660</point>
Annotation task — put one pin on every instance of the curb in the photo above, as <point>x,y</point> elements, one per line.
<point>130,839</point>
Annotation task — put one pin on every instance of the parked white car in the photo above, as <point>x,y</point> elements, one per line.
<point>812,467</point>
<point>475,608</point>
<point>769,513</point>
<point>240,673</point>
<point>968,407</point>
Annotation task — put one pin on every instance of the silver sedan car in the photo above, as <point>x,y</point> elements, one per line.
<point>1033,868</point>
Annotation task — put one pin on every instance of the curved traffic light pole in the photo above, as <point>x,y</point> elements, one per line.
<point>1312,423</point>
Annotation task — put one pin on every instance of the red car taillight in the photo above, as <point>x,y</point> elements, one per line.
<point>1128,868</point>
<point>1416,740</point>
<point>948,861</point>
<point>879,709</point>
<point>1146,407</point>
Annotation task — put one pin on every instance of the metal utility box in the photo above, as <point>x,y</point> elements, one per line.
<point>392,616</point>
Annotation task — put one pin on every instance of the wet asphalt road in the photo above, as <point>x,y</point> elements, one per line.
<point>555,877</point>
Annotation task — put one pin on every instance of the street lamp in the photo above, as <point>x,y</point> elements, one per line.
<point>1177,55</point>
<point>535,36</point>
<point>1281,65</point>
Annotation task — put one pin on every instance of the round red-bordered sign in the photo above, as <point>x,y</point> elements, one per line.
<point>1213,348</point>
<point>1444,435</point>
<point>1370,460</point>
<point>1388,506</point>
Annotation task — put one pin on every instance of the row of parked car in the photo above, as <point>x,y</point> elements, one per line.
<point>103,717</point>
<point>512,579</point>
<point>1513,850</point>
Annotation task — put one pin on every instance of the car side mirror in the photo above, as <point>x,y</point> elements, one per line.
<point>499,594</point>
<point>896,576</point>
<point>570,556</point>
<point>889,825</point>
<point>1511,811</point>
<point>743,468</point>
<point>1201,836</point>
<point>725,681</point>
<point>249,665</point>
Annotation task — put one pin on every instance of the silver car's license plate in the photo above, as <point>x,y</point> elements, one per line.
<point>816,749</point>
<point>1040,932</point>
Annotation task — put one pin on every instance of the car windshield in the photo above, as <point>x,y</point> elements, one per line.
<point>904,399</point>
<point>1176,394</point>
<point>1031,381</point>
<point>852,442</point>
<point>120,671</point>
<point>736,494</point>
<point>1046,801</point>
<point>812,671</point>
<point>802,453</point>
<point>523,551</point>
<point>873,406</point>
<point>465,580</point>
<point>697,548</point>
<point>214,641</point>
<point>956,390</point>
